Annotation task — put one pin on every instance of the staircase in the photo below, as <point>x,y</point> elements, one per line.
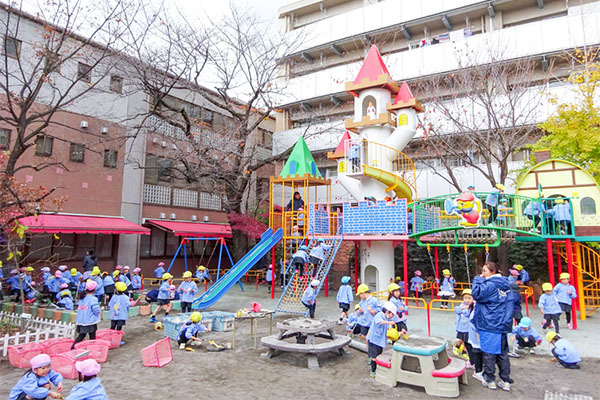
<point>296,285</point>
<point>586,261</point>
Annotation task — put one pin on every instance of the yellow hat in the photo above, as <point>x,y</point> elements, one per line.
<point>558,201</point>
<point>446,272</point>
<point>565,275</point>
<point>96,272</point>
<point>356,307</point>
<point>196,317</point>
<point>167,275</point>
<point>73,271</point>
<point>362,288</point>
<point>201,267</point>
<point>120,286</point>
<point>392,286</point>
<point>398,279</point>
<point>546,287</point>
<point>467,291</point>
<point>393,334</point>
<point>551,335</point>
<point>116,273</point>
<point>65,293</point>
<point>29,269</point>
<point>500,186</point>
<point>518,267</point>
<point>187,274</point>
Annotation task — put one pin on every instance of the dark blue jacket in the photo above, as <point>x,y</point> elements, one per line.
<point>494,299</point>
<point>516,297</point>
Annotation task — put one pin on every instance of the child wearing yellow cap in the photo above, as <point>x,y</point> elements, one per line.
<point>565,293</point>
<point>549,307</point>
<point>188,289</point>
<point>164,296</point>
<point>447,287</point>
<point>118,307</point>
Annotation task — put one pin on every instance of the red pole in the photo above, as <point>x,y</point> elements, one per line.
<point>405,266</point>
<point>569,247</point>
<point>558,263</point>
<point>356,263</point>
<point>325,283</point>
<point>526,305</point>
<point>437,272</point>
<point>428,320</point>
<point>550,262</point>
<point>273,273</point>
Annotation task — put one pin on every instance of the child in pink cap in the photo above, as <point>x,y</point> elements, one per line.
<point>416,283</point>
<point>136,279</point>
<point>89,386</point>
<point>35,383</point>
<point>88,314</point>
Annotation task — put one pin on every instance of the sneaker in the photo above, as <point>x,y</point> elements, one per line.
<point>153,319</point>
<point>489,385</point>
<point>122,343</point>
<point>570,325</point>
<point>514,355</point>
<point>182,346</point>
<point>372,375</point>
<point>543,322</point>
<point>479,376</point>
<point>504,385</point>
<point>470,365</point>
<point>531,351</point>
<point>369,361</point>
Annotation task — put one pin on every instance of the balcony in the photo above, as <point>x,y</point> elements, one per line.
<point>175,197</point>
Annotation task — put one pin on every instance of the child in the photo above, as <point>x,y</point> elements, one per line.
<point>109,286</point>
<point>514,276</point>
<point>99,293</point>
<point>562,215</point>
<point>394,296</point>
<point>369,306</point>
<point>164,294</point>
<point>522,272</point>
<point>564,352</point>
<point>189,331</point>
<point>351,322</point>
<point>35,383</point>
<point>66,301</point>
<point>476,356</point>
<point>126,273</point>
<point>122,277</point>
<point>447,288</point>
<point>89,386</point>
<point>516,291</point>
<point>504,212</point>
<point>344,298</point>
<point>88,314</point>
<point>377,336</point>
<point>46,275</point>
<point>300,258</point>
<point>549,307</point>
<point>54,284</point>
<point>309,298</point>
<point>463,315</point>
<point>317,253</point>
<point>119,308</point>
<point>491,202</point>
<point>269,277</point>
<point>202,274</point>
<point>188,289</point>
<point>525,336</point>
<point>159,272</point>
<point>136,280</point>
<point>15,285</point>
<point>565,294</point>
<point>416,283</point>
<point>74,279</point>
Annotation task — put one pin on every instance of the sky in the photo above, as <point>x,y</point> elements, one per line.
<point>267,10</point>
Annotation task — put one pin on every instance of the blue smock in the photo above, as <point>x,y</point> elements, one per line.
<point>191,328</point>
<point>378,330</point>
<point>163,291</point>
<point>518,330</point>
<point>463,319</point>
<point>136,282</point>
<point>566,351</point>
<point>562,293</point>
<point>89,390</point>
<point>159,272</point>
<point>32,385</point>
<point>344,294</point>
<point>549,303</point>
<point>118,307</point>
<point>190,290</point>
<point>88,311</point>
<point>370,303</point>
<point>310,295</point>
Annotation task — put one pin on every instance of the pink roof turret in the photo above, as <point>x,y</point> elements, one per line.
<point>340,150</point>
<point>373,73</point>
<point>405,99</point>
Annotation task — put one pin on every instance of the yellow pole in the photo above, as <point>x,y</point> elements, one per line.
<point>580,293</point>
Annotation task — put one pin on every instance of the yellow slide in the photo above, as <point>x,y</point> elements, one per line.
<point>393,181</point>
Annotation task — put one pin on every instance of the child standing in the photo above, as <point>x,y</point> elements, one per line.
<point>525,336</point>
<point>88,314</point>
<point>369,306</point>
<point>188,289</point>
<point>463,321</point>
<point>269,277</point>
<point>549,307</point>
<point>309,298</point>
<point>89,386</point>
<point>54,284</point>
<point>136,280</point>
<point>377,336</point>
<point>565,293</point>
<point>119,308</point>
<point>447,288</point>
<point>109,286</point>
<point>416,283</point>
<point>99,293</point>
<point>564,352</point>
<point>35,383</point>
<point>164,296</point>
<point>344,298</point>
<point>401,308</point>
<point>190,330</point>
<point>159,271</point>
<point>476,356</point>
<point>74,278</point>
<point>66,301</point>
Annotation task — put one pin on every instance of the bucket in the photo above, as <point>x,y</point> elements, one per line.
<point>66,316</point>
<point>145,310</point>
<point>256,307</point>
<point>49,313</point>
<point>57,315</point>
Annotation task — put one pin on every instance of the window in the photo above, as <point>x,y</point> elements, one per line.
<point>110,158</point>
<point>43,146</point>
<point>369,107</point>
<point>157,247</point>
<point>4,139</point>
<point>116,84</point>
<point>164,170</point>
<point>402,119</point>
<point>84,72</point>
<point>12,47</point>
<point>588,206</point>
<point>77,152</point>
<point>520,155</point>
<point>145,246</point>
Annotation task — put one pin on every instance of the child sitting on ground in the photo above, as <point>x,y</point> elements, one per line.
<point>416,283</point>
<point>401,308</point>
<point>369,306</point>
<point>463,320</point>
<point>344,298</point>
<point>447,288</point>
<point>377,336</point>
<point>189,331</point>
<point>525,336</point>
<point>549,307</point>
<point>565,293</point>
<point>35,383</point>
<point>89,386</point>
<point>88,314</point>
<point>66,301</point>
<point>309,298</point>
<point>564,352</point>
<point>352,326</point>
<point>188,289</point>
<point>119,308</point>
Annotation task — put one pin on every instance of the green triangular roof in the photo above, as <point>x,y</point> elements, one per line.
<point>300,162</point>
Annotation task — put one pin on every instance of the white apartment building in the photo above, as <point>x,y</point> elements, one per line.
<point>417,39</point>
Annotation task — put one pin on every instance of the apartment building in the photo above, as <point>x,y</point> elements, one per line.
<point>418,40</point>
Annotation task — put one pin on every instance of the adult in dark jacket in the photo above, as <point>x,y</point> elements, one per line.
<point>89,261</point>
<point>295,203</point>
<point>493,320</point>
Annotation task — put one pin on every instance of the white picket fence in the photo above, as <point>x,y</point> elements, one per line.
<point>37,329</point>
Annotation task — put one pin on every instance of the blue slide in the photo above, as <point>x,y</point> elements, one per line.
<point>267,241</point>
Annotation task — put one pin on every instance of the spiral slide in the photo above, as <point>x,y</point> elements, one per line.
<point>393,181</point>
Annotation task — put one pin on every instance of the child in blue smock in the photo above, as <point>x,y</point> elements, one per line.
<point>164,296</point>
<point>99,293</point>
<point>525,337</point>
<point>565,293</point>
<point>446,288</point>
<point>160,270</point>
<point>88,314</point>
<point>46,275</point>
<point>416,283</point>
<point>202,274</point>
<point>66,301</point>
<point>269,277</point>
<point>299,259</point>
<point>476,356</point>
<point>369,306</point>
<point>190,330</point>
<point>563,351</point>
<point>377,336</point>
<point>394,296</point>
<point>463,320</point>
<point>74,278</point>
<point>344,298</point>
<point>89,386</point>
<point>309,298</point>
<point>317,253</point>
<point>136,279</point>
<point>109,285</point>
<point>118,307</point>
<point>352,322</point>
<point>522,273</point>
<point>549,307</point>
<point>54,284</point>
<point>35,383</point>
<point>188,290</point>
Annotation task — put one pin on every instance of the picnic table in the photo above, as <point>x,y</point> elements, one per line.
<point>253,316</point>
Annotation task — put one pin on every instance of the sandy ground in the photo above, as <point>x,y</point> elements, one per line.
<point>242,373</point>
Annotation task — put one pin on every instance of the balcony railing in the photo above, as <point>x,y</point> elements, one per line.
<point>167,196</point>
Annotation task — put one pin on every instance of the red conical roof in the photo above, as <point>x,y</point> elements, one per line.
<point>372,67</point>
<point>405,99</point>
<point>340,150</point>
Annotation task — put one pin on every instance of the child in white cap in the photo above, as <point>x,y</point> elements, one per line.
<point>377,336</point>
<point>35,383</point>
<point>89,386</point>
<point>309,299</point>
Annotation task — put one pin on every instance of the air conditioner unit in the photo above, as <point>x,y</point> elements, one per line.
<point>174,146</point>
<point>173,216</point>
<point>206,219</point>
<point>194,218</point>
<point>154,140</point>
<point>104,130</point>
<point>163,144</point>
<point>83,124</point>
<point>162,215</point>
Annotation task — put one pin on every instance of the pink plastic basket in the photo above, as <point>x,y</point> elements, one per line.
<point>157,354</point>
<point>98,349</point>
<point>64,363</point>
<point>56,346</point>
<point>112,336</point>
<point>19,355</point>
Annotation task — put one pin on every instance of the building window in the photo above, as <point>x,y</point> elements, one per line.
<point>12,47</point>
<point>402,119</point>
<point>116,84</point>
<point>110,158</point>
<point>4,139</point>
<point>588,206</point>
<point>84,72</point>
<point>43,145</point>
<point>164,170</point>
<point>77,152</point>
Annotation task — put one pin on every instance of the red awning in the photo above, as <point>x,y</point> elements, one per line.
<point>58,223</point>
<point>192,229</point>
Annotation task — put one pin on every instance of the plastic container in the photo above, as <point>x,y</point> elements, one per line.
<point>26,309</point>
<point>176,305</point>
<point>223,321</point>
<point>66,316</point>
<point>33,310</point>
<point>134,311</point>
<point>56,346</point>
<point>73,316</point>
<point>157,354</point>
<point>41,313</point>
<point>64,363</point>
<point>57,315</point>
<point>18,309</point>
<point>49,313</point>
<point>19,355</point>
<point>145,310</point>
<point>98,349</point>
<point>112,336</point>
